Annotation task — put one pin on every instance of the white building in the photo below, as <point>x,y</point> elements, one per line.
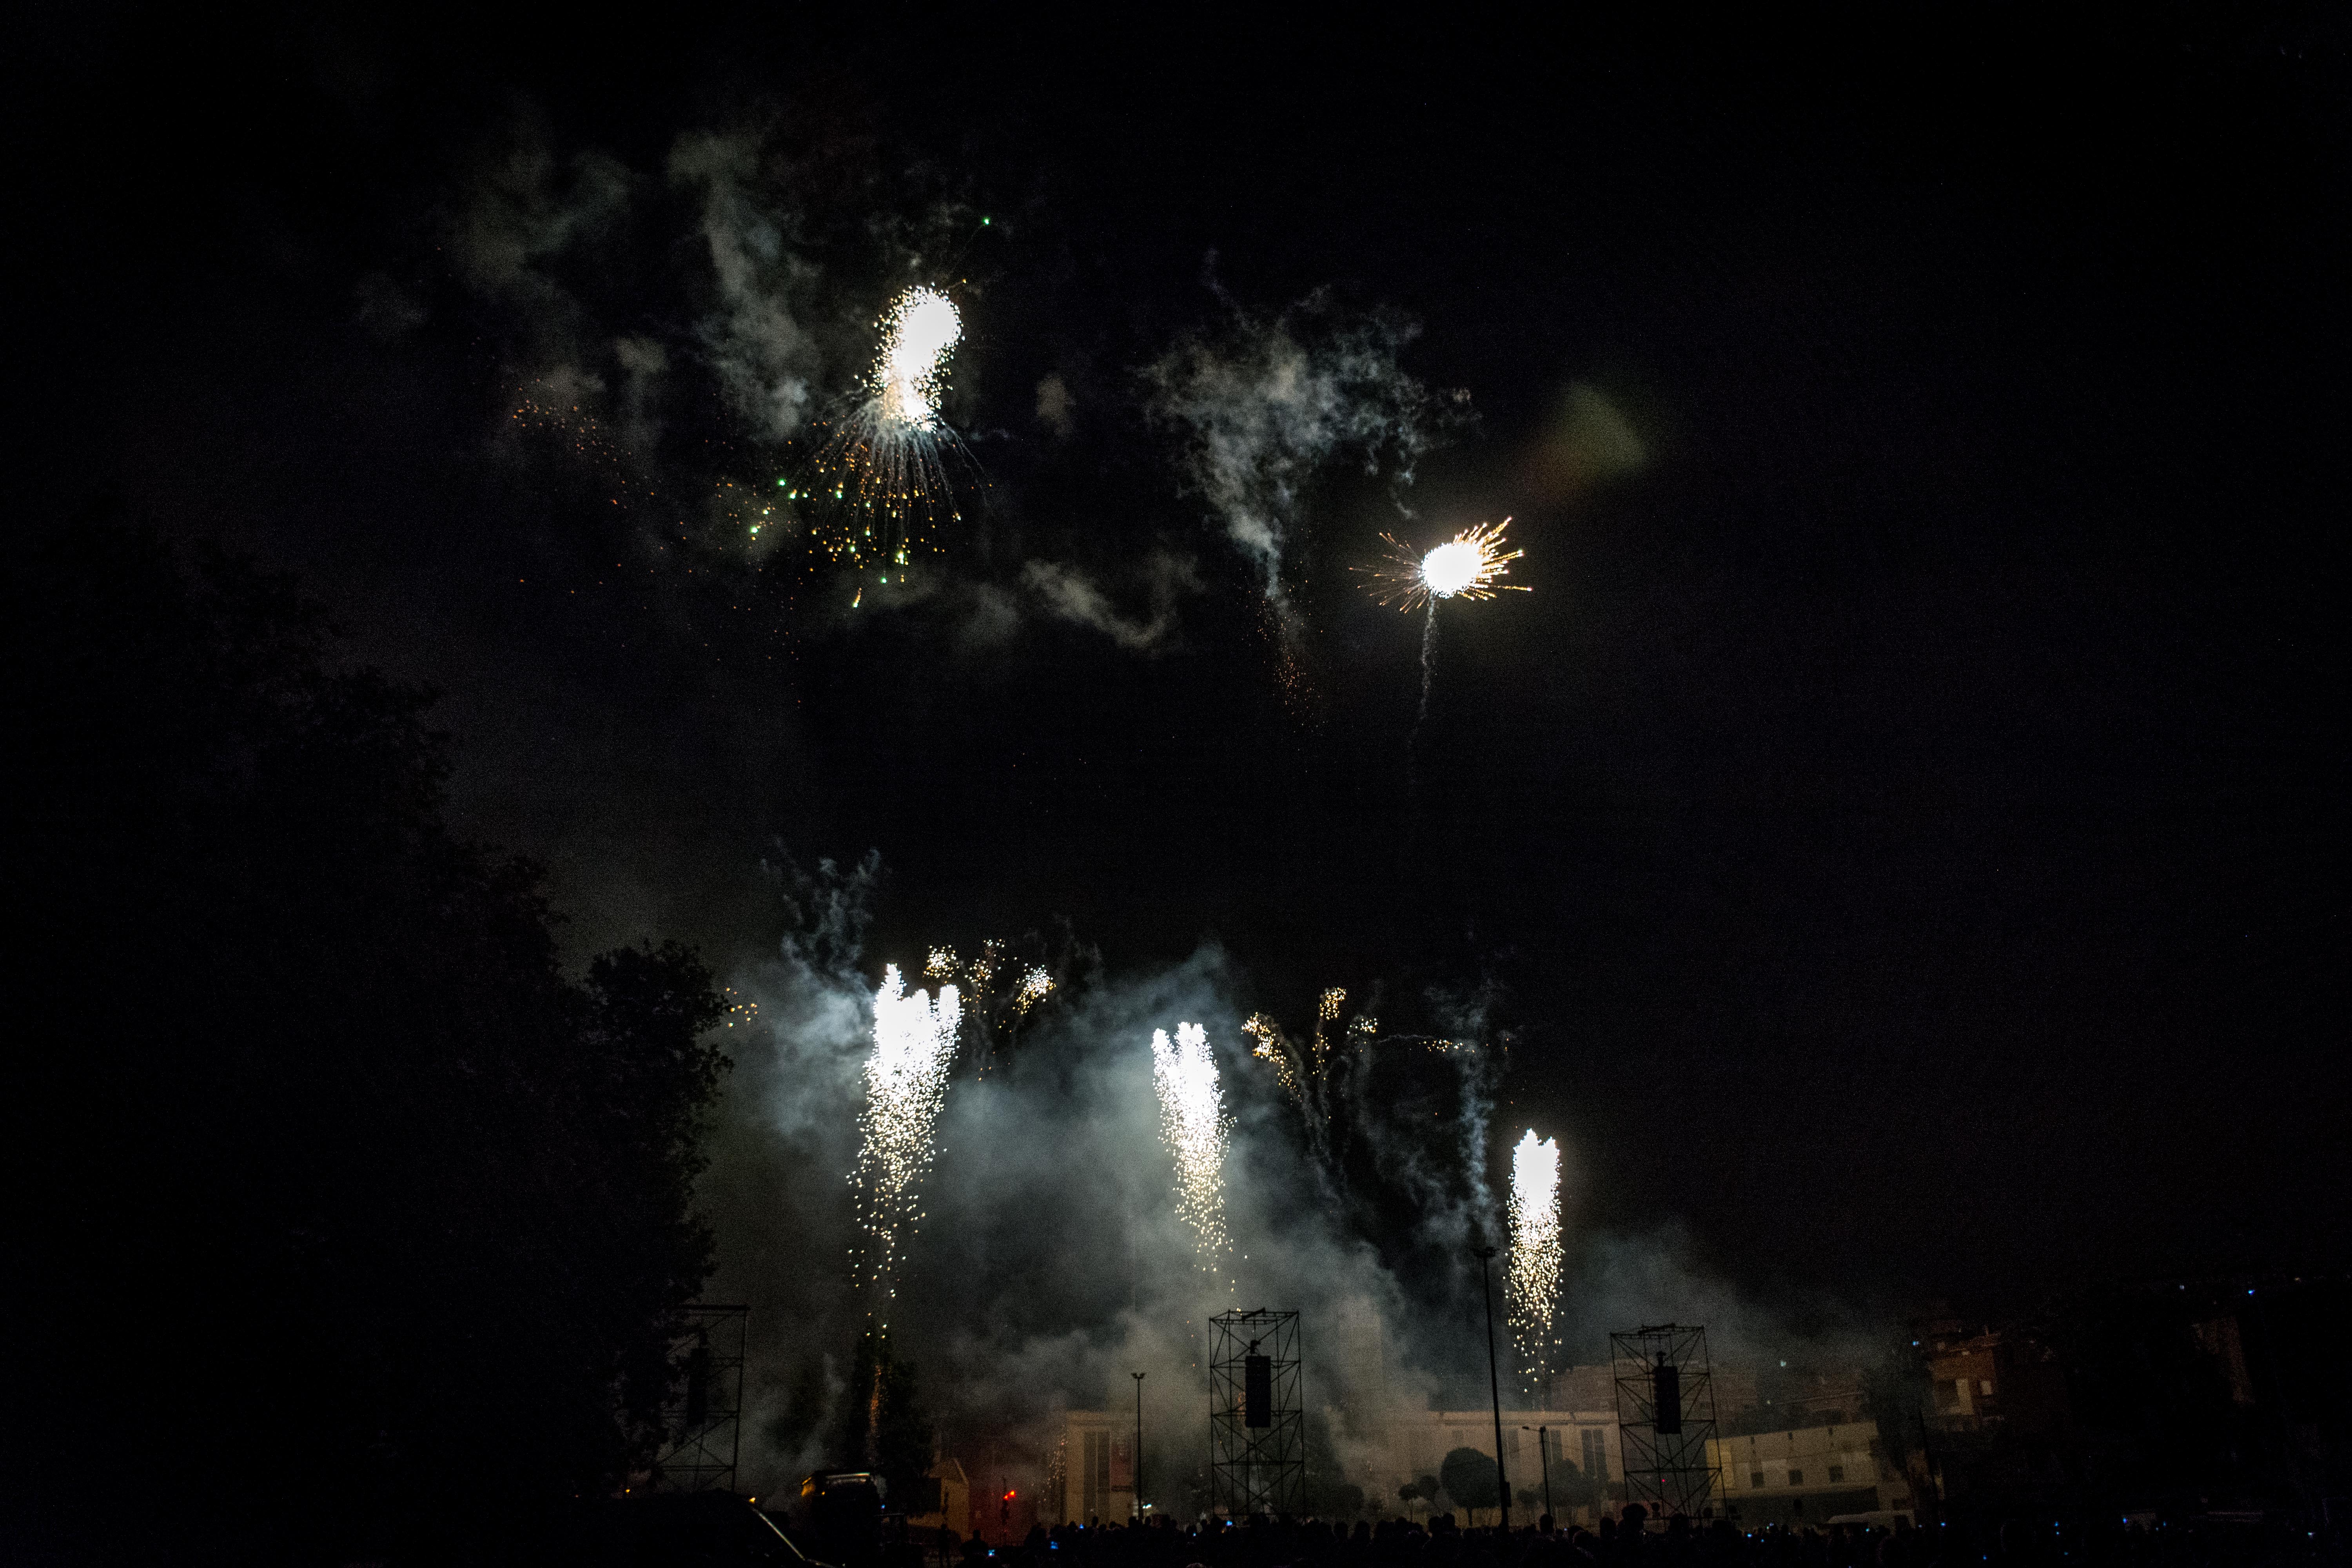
<point>1806,1475</point>
<point>1092,1477</point>
<point>1408,1446</point>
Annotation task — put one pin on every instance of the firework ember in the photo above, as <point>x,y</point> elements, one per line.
<point>906,1083</point>
<point>1192,1120</point>
<point>1533,1286</point>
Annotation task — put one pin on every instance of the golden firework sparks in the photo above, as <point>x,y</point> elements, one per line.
<point>1465,566</point>
<point>1274,1050</point>
<point>1035,986</point>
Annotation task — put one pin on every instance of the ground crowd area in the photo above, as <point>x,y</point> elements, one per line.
<point>1405,1543</point>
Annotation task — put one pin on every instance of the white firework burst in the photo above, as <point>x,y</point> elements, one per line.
<point>1192,1120</point>
<point>905,1084</point>
<point>888,457</point>
<point>1468,566</point>
<point>1533,1286</point>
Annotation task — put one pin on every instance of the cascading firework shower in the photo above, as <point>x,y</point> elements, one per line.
<point>905,1084</point>
<point>1533,1286</point>
<point>1192,1120</point>
<point>890,455</point>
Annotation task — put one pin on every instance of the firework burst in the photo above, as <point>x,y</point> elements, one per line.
<point>1533,1286</point>
<point>1273,1048</point>
<point>1035,986</point>
<point>1193,1123</point>
<point>888,458</point>
<point>905,1084</point>
<point>1465,566</point>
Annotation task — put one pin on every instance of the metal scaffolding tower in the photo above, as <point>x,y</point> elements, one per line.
<point>702,1420</point>
<point>1665,1419</point>
<point>1258,1415</point>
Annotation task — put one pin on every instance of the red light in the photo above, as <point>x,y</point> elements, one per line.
<point>1008,1497</point>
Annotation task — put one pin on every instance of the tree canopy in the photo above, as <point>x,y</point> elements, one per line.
<point>1471,1479</point>
<point>348,1221</point>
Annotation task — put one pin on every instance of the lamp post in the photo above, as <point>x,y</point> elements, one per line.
<point>1138,1445</point>
<point>1543,1452</point>
<point>1494,1385</point>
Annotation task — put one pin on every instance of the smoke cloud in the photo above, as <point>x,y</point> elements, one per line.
<point>766,363</point>
<point>1263,405</point>
<point>1051,1262</point>
<point>1069,594</point>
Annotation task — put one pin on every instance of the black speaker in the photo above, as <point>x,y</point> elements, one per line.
<point>1257,1391</point>
<point>1667,1398</point>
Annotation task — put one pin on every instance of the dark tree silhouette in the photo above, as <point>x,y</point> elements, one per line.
<point>1470,1478</point>
<point>346,1223</point>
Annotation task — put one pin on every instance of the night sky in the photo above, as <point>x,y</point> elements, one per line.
<point>1904,819</point>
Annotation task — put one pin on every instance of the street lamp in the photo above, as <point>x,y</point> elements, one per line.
<point>1494,1385</point>
<point>1138,1445</point>
<point>1543,1452</point>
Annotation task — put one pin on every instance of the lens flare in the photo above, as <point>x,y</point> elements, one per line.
<point>1532,1290</point>
<point>905,1084</point>
<point>1193,1123</point>
<point>1465,566</point>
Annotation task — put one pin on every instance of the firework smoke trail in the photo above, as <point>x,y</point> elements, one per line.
<point>889,454</point>
<point>1465,566</point>
<point>906,1083</point>
<point>1193,1123</point>
<point>1428,668</point>
<point>1532,1288</point>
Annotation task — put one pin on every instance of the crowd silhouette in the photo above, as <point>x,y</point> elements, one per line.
<point>1635,1538</point>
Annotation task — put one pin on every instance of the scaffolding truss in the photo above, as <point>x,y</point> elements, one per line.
<point>1258,1415</point>
<point>1665,1419</point>
<point>702,1420</point>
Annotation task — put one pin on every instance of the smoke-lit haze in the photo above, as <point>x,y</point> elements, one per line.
<point>1058,1250</point>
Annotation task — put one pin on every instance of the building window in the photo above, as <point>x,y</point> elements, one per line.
<point>1796,1477</point>
<point>1596,1452</point>
<point>1837,1473</point>
<point>1984,1386</point>
<point>1754,1478</point>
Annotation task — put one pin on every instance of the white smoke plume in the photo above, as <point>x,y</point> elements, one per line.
<point>522,222</point>
<point>1053,1258</point>
<point>524,209</point>
<point>1069,594</point>
<point>766,362</point>
<point>1264,405</point>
